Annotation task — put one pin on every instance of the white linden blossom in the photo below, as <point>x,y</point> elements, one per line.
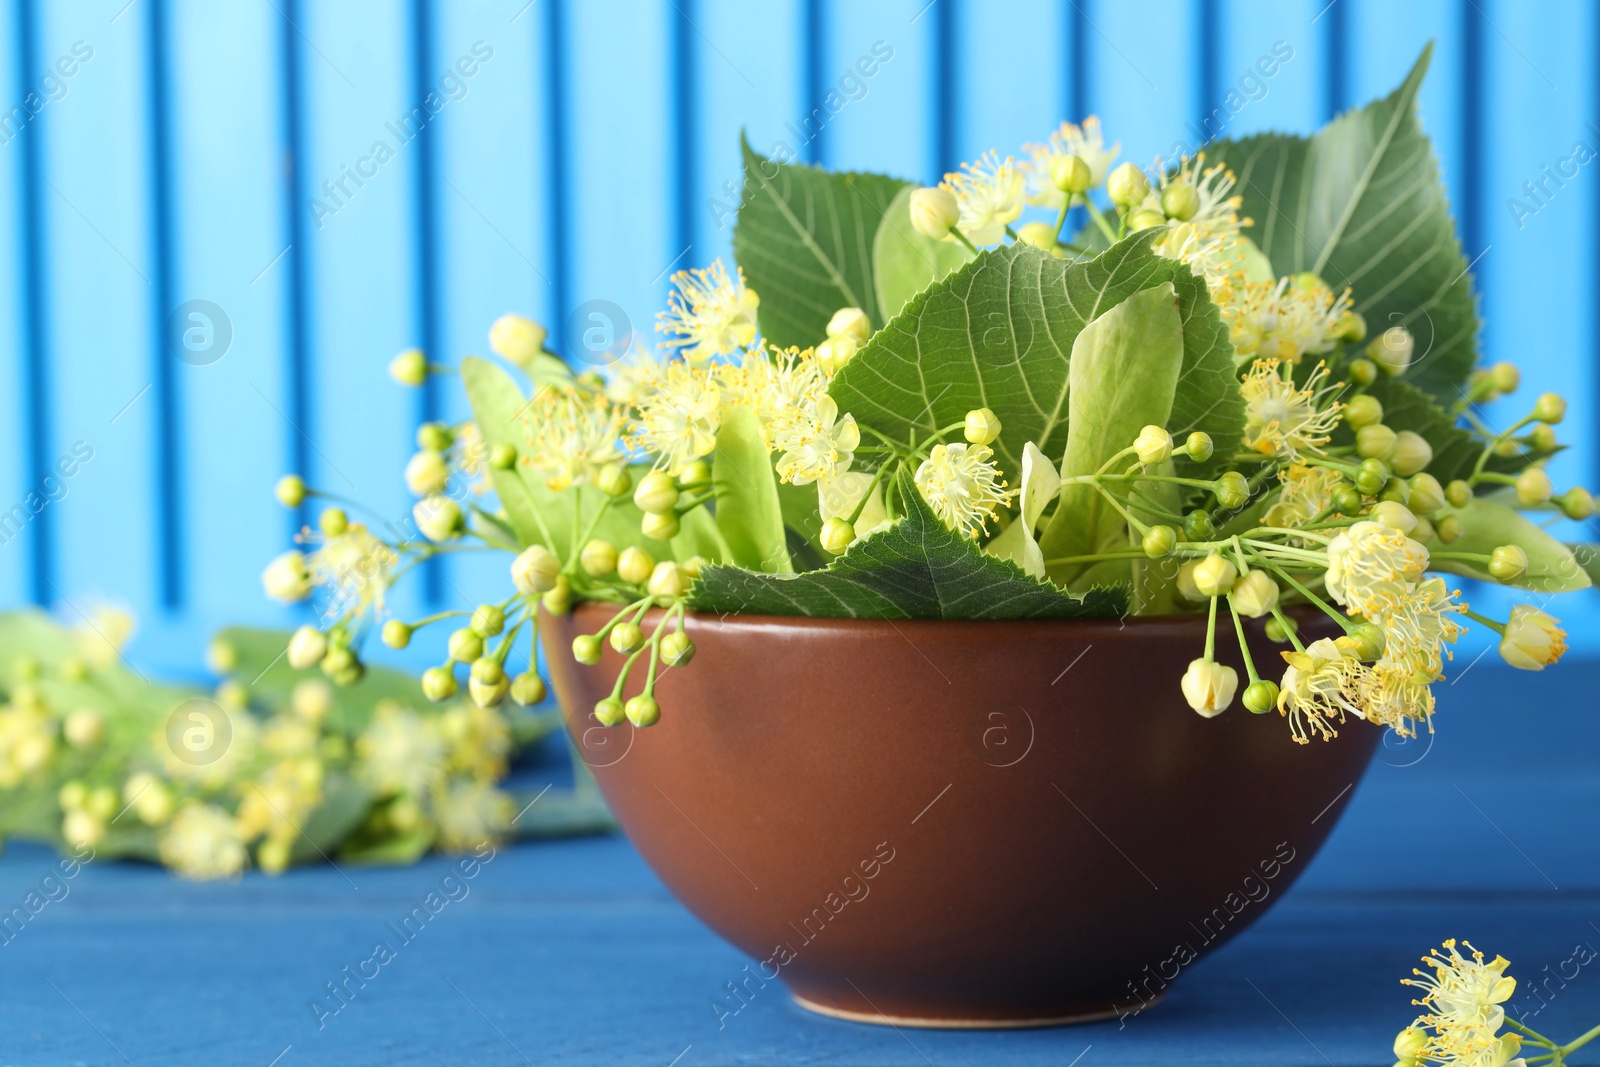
<point>401,752</point>
<point>1281,320</point>
<point>782,386</point>
<point>818,447</point>
<point>1307,492</point>
<point>679,417</point>
<point>1208,239</point>
<point>471,813</point>
<point>1319,685</point>
<point>1370,567</point>
<point>1464,998</point>
<point>709,314</point>
<point>1286,420</point>
<point>203,842</point>
<point>1085,142</point>
<point>989,194</point>
<point>962,486</point>
<point>569,436</point>
<point>355,567</point>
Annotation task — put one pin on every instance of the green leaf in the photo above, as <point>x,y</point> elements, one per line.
<point>748,512</point>
<point>804,241</point>
<point>1360,203</point>
<point>395,850</point>
<point>916,569</point>
<point>1123,377</point>
<point>1488,524</point>
<point>539,516</point>
<point>905,262</point>
<point>1588,557</point>
<point>344,807</point>
<point>1455,449</point>
<point>698,536</point>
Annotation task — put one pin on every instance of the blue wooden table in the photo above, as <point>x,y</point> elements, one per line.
<point>573,952</point>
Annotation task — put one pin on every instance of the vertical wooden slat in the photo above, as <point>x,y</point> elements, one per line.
<point>892,131</point>
<point>1006,103</point>
<point>166,319</point>
<point>1144,75</point>
<point>1254,88</point>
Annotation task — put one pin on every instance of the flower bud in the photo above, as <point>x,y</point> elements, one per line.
<point>934,211</point>
<point>311,699</point>
<point>1576,503</point>
<point>435,435</point>
<point>1158,541</point>
<point>1363,410</point>
<point>608,712</point>
<point>676,649</point>
<point>696,473</point>
<point>1412,453</point>
<point>1424,532</point>
<point>1346,499</point>
<point>427,472</point>
<point>1152,446</point>
<point>1214,575</point>
<point>527,689</point>
<point>1260,696</point>
<point>307,646</point>
<point>614,481</point>
<point>1070,174</point>
<point>333,522</point>
<point>82,830</point>
<point>409,367</point>
<point>150,799</point>
<point>439,518</point>
<point>850,322</point>
<point>1394,515</point>
<point>586,649</point>
<point>487,670</point>
<point>1197,526</point>
<point>1533,487</point>
<point>1448,529</point>
<point>1186,587</point>
<point>1408,1046</point>
<point>488,620</point>
<point>503,456</point>
<point>1255,594</point>
<point>516,338</point>
<point>290,490</point>
<point>1397,490</point>
<point>1145,219</point>
<point>657,493</point>
<point>341,665</point>
<point>1541,438</point>
<point>557,600</point>
<point>1458,493</point>
<point>1199,446</point>
<point>642,710</point>
<point>1376,441</point>
<point>634,565</point>
<point>1372,474</point>
<point>488,694</point>
<point>837,535</point>
<point>835,352</point>
<point>465,645</point>
<point>982,426</point>
<point>659,527</point>
<point>438,683</point>
<point>84,728</point>
<point>1507,563</point>
<point>1362,371</point>
<point>1533,640</point>
<point>1427,495</point>
<point>1232,490</point>
<point>287,579</point>
<point>1392,350</point>
<point>1040,235</point>
<point>535,570</point>
<point>1550,408</point>
<point>1351,327</point>
<point>1505,377</point>
<point>1208,686</point>
<point>627,638</point>
<point>1279,629</point>
<point>598,558</point>
<point>1180,201</point>
<point>1127,186</point>
<point>692,566</point>
<point>667,580</point>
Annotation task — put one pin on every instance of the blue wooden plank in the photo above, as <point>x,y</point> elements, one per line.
<point>96,208</point>
<point>1144,74</point>
<point>1005,101</point>
<point>892,130</point>
<point>1269,72</point>
<point>17,474</point>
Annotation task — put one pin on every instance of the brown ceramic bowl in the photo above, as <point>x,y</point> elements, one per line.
<point>959,824</point>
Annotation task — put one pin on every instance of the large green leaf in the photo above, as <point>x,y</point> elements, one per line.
<point>999,333</point>
<point>1360,203</point>
<point>905,262</point>
<point>1488,524</point>
<point>804,241</point>
<point>916,569</point>
<point>748,512</point>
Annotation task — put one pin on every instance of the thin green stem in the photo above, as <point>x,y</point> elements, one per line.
<point>963,239</point>
<point>1244,647</point>
<point>1211,630</point>
<point>1061,220</point>
<point>1099,219</point>
<point>1484,620</point>
<point>1288,627</point>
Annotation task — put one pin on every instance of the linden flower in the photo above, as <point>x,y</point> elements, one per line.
<point>962,487</point>
<point>1307,492</point>
<point>470,455</point>
<point>202,842</point>
<point>570,436</point>
<point>1085,142</point>
<point>1282,320</point>
<point>282,799</point>
<point>27,741</point>
<point>480,741</point>
<point>1532,640</point>
<point>470,814</point>
<point>782,386</point>
<point>1208,239</point>
<point>1283,419</point>
<point>989,195</point>
<point>1318,685</point>
<point>709,314</point>
<point>1419,625</point>
<point>1392,696</point>
<point>679,416</point>
<point>1370,566</point>
<point>1463,997</point>
<point>819,447</point>
<point>355,567</point>
<point>401,752</point>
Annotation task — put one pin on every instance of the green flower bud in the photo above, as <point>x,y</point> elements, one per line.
<point>598,558</point>
<point>1214,575</point>
<point>291,490</point>
<point>1448,529</point>
<point>1397,490</point>
<point>1232,490</point>
<point>503,456</point>
<point>1550,408</point>
<point>1145,219</point>
<point>1376,441</point>
<point>692,566</point>
<point>1370,641</point>
<point>1533,487</point>
<point>1392,350</point>
<point>1458,493</point>
<point>1507,563</point>
<point>439,518</point>
<point>527,689</point>
<point>1576,503</point>
<point>1427,495</point>
<point>1541,438</point>
<point>396,634</point>
<point>1158,541</point>
<point>438,683</point>
<point>535,570</point>
<point>427,472</point>
<point>1127,186</point>
<point>557,600</point>
<point>307,647</point>
<point>488,671</point>
<point>1363,410</point>
<point>333,522</point>
<point>409,367</point>
<point>634,565</point>
<point>667,579</point>
<point>1260,696</point>
<point>488,694</point>
<point>850,322</point>
<point>1363,371</point>
<point>1180,201</point>
<point>1199,446</point>
<point>1505,377</point>
<point>516,338</point>
<point>72,796</point>
<point>934,211</point>
<point>1279,630</point>
<point>1410,453</point>
<point>1255,594</point>
<point>608,711</point>
<point>642,710</point>
<point>837,535</point>
<point>627,638</point>
<point>1351,327</point>
<point>1347,500</point>
<point>835,352</point>
<point>614,481</point>
<point>465,645</point>
<point>662,527</point>
<point>1394,515</point>
<point>1372,475</point>
<point>1197,526</point>
<point>1040,235</point>
<point>342,665</point>
<point>1153,445</point>
<point>436,436</point>
<point>676,649</point>
<point>586,649</point>
<point>1070,174</point>
<point>84,728</point>
<point>696,473</point>
<point>982,426</point>
<point>488,619</point>
<point>1424,533</point>
<point>657,494</point>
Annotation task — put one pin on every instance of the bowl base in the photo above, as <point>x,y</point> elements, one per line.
<point>1087,1014</point>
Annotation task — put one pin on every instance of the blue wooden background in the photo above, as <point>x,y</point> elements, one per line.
<point>591,150</point>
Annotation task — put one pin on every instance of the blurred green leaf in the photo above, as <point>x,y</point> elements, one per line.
<point>904,262</point>
<point>748,514</point>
